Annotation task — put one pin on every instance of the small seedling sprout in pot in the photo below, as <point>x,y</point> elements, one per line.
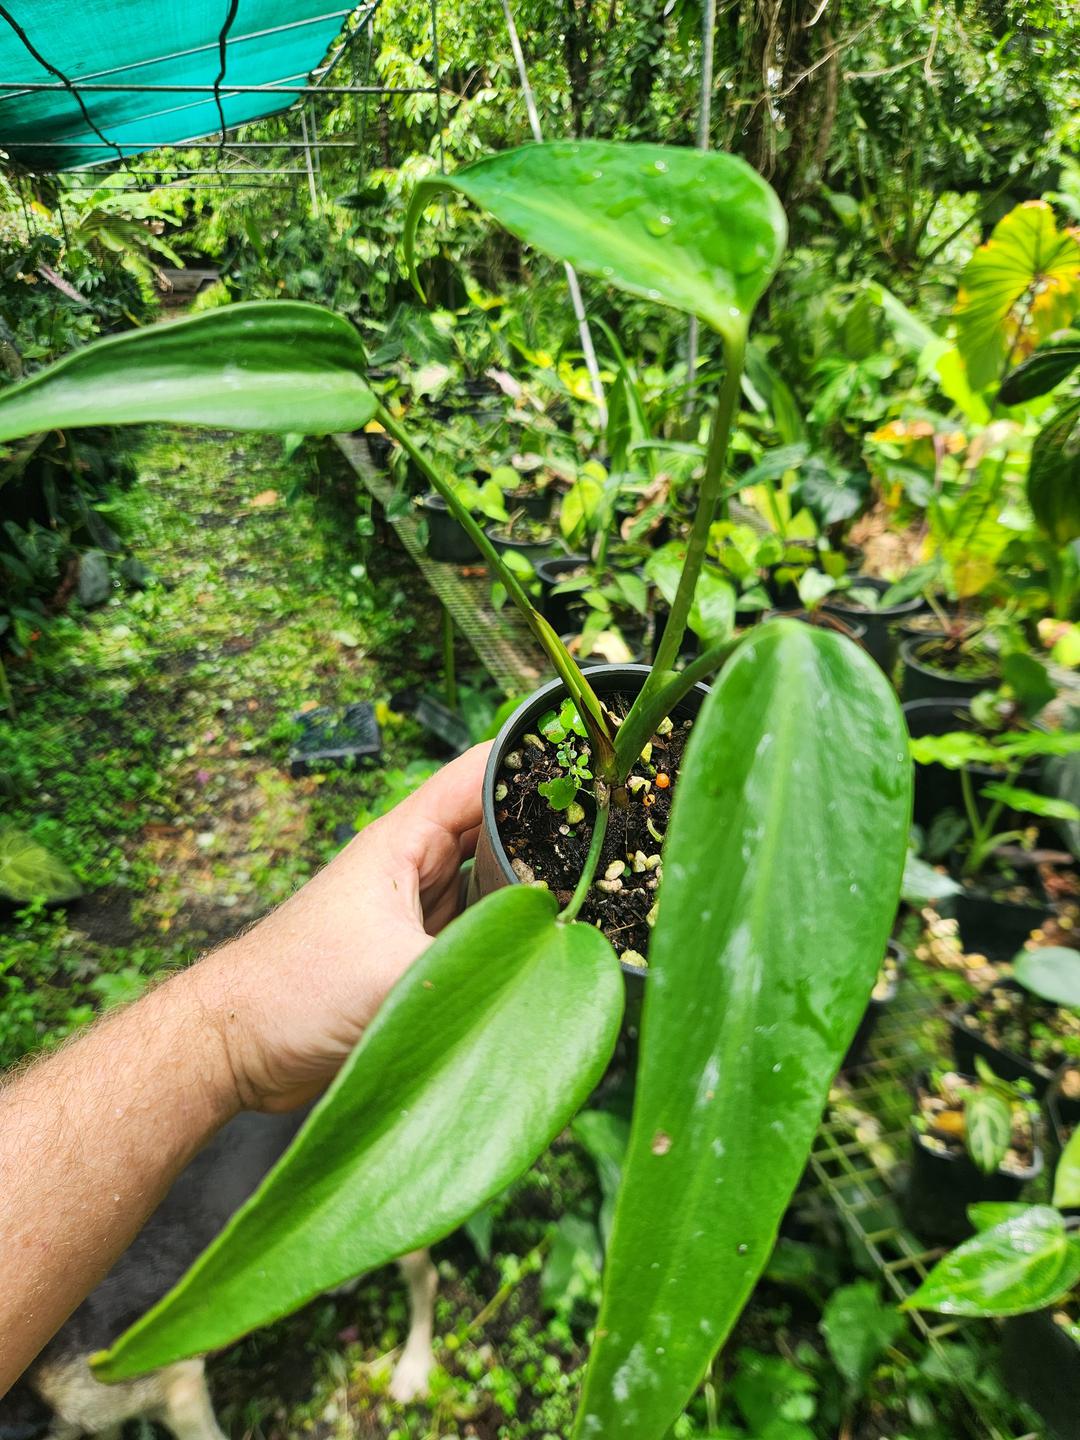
<point>781,875</point>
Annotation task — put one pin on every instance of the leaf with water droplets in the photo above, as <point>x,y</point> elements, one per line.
<point>701,232</point>
<point>781,880</point>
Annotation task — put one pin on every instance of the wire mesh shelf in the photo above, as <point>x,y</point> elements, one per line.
<point>502,641</point>
<point>858,1166</point>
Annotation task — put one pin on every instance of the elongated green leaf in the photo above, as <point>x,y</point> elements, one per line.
<point>480,1055</point>
<point>1022,1264</point>
<point>271,365</point>
<point>782,874</point>
<point>1067,1174</point>
<point>987,1128</point>
<point>1042,372</point>
<point>1048,806</point>
<point>701,232</point>
<point>1052,973</point>
<point>1053,485</point>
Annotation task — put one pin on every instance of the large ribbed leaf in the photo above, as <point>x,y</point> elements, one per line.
<point>702,232</point>
<point>270,365</point>
<point>781,879</point>
<point>1053,485</point>
<point>482,1053</point>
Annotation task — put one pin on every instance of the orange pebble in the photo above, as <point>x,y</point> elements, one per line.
<point>662,781</point>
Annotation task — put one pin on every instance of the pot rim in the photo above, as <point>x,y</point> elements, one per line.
<point>511,725</point>
<point>955,1156</point>
<point>907,655</point>
<point>835,601</point>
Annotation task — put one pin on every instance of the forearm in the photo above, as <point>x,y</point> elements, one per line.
<point>90,1141</point>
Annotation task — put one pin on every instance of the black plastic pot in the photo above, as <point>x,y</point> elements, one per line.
<point>532,550</point>
<point>943,1183</point>
<point>937,788</point>
<point>880,625</point>
<point>560,611</point>
<point>447,541</point>
<point>967,1042</point>
<point>379,446</point>
<point>492,868</point>
<point>991,927</point>
<point>1041,1363</point>
<point>532,500</point>
<point>853,629</point>
<point>923,680</point>
<point>1063,1116</point>
<point>859,1049</point>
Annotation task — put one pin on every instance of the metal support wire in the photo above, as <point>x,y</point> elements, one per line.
<point>572,285</point>
<point>223,59</point>
<point>273,87</point>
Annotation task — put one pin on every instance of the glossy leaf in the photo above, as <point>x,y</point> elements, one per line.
<point>1017,288</point>
<point>270,365</point>
<point>987,1213</point>
<point>1053,484</point>
<point>1046,806</point>
<point>1025,1263</point>
<point>782,874</point>
<point>481,1054</point>
<point>1042,372</point>
<point>987,1128</point>
<point>701,232</point>
<point>1067,1174</point>
<point>1052,973</point>
<point>29,872</point>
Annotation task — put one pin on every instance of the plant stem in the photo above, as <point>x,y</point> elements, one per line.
<point>579,689</point>
<point>641,721</point>
<point>592,859</point>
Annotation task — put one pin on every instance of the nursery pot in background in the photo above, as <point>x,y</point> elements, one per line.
<point>533,500</point>
<point>880,625</point>
<point>853,629</point>
<point>943,1183</point>
<point>859,1049</point>
<point>923,680</point>
<point>560,611</point>
<point>532,550</point>
<point>492,868</point>
<point>968,1041</point>
<point>938,788</point>
<point>447,541</point>
<point>992,927</point>
<point>1041,1361</point>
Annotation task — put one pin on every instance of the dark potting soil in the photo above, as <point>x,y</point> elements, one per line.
<point>525,530</point>
<point>1034,1029</point>
<point>954,661</point>
<point>542,845</point>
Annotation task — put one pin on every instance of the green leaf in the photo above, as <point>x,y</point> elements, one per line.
<point>605,1137</point>
<point>1026,256</point>
<point>955,750</point>
<point>1053,484</point>
<point>1029,681</point>
<point>1045,806</point>
<point>1067,1175</point>
<point>923,884</point>
<point>1040,373</point>
<point>1052,973</point>
<point>857,1327</point>
<point>29,873</point>
<point>761,965</point>
<point>1022,1264</point>
<point>484,1049</point>
<point>987,1128</point>
<point>699,231</point>
<point>271,365</point>
<point>987,1213</point>
<point>712,613</point>
<point>560,792</point>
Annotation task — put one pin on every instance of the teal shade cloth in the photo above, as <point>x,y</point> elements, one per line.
<point>133,42</point>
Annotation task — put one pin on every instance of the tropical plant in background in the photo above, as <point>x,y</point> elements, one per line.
<point>781,884</point>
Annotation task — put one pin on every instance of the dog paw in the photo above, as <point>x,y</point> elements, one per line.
<point>411,1376</point>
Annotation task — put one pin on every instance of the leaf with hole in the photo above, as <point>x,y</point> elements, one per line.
<point>484,1049</point>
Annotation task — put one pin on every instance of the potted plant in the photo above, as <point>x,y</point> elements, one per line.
<point>1023,1028</point>
<point>1023,1265</point>
<point>879,607</point>
<point>973,1139</point>
<point>955,663</point>
<point>769,933</point>
<point>996,911</point>
<point>881,997</point>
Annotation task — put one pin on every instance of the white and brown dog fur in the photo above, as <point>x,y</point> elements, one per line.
<point>195,1210</point>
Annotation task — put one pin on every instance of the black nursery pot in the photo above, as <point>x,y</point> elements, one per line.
<point>880,625</point>
<point>1041,1363</point>
<point>991,927</point>
<point>533,501</point>
<point>853,629</point>
<point>560,611</point>
<point>859,1049</point>
<point>943,1183</point>
<point>967,1042</point>
<point>532,550</point>
<point>923,680</point>
<point>492,868</point>
<point>447,541</point>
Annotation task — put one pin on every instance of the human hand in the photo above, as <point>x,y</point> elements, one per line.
<point>292,996</point>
